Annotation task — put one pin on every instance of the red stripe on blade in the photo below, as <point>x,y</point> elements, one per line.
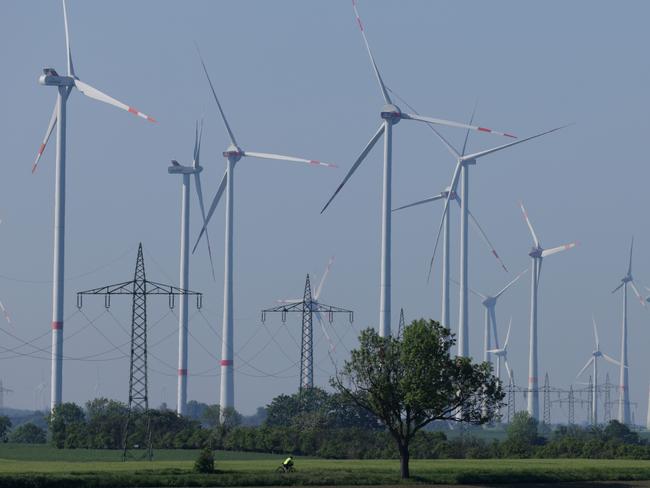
<point>483,129</point>
<point>41,149</point>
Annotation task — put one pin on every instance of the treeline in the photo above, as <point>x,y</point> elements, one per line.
<point>316,423</point>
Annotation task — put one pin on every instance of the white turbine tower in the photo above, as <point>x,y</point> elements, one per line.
<point>502,353</point>
<point>624,393</point>
<point>64,84</point>
<point>463,162</point>
<point>490,328</point>
<point>185,172</point>
<point>391,115</point>
<point>537,254</point>
<point>232,155</point>
<point>445,321</point>
<point>593,360</point>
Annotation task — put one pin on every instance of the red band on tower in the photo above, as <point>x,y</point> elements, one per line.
<point>226,362</point>
<point>57,325</point>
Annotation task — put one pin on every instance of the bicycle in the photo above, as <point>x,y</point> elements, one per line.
<point>285,469</point>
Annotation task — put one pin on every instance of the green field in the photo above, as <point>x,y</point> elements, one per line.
<point>41,466</point>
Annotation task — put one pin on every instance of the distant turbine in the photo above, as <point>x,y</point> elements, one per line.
<point>463,162</point>
<point>624,392</point>
<point>64,84</point>
<point>445,321</point>
<point>490,325</point>
<point>593,360</point>
<point>391,115</point>
<point>186,171</point>
<point>233,154</point>
<point>502,352</point>
<point>537,254</point>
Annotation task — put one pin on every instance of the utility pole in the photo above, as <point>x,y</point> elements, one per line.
<point>547,402</point>
<point>308,307</point>
<point>138,288</point>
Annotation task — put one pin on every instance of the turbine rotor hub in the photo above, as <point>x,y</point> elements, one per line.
<point>536,252</point>
<point>391,113</point>
<point>233,153</point>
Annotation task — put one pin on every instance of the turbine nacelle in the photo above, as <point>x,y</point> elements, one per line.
<point>391,113</point>
<point>51,78</point>
<point>233,152</point>
<point>489,302</point>
<point>178,169</point>
<point>536,252</point>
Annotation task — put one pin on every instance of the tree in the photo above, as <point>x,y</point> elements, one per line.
<point>27,434</point>
<point>408,383</point>
<point>67,425</point>
<point>5,425</point>
<point>522,435</point>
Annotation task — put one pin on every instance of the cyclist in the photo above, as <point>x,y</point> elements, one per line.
<point>287,464</point>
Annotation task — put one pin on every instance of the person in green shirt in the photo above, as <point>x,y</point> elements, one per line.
<point>287,464</point>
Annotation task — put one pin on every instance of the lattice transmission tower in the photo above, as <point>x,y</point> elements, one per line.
<point>309,307</point>
<point>138,288</point>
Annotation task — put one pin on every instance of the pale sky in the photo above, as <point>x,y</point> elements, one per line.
<point>294,78</point>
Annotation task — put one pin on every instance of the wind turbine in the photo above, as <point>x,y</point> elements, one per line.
<point>185,172</point>
<point>463,162</point>
<point>502,352</point>
<point>445,249</point>
<point>624,398</point>
<point>64,84</point>
<point>537,254</point>
<point>593,360</point>
<point>391,115</point>
<point>232,155</point>
<point>489,302</point>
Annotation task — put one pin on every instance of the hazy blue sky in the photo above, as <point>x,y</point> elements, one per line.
<point>294,78</point>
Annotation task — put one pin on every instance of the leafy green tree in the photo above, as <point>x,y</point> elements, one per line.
<point>410,382</point>
<point>618,432</point>
<point>522,435</point>
<point>105,423</point>
<point>5,425</point>
<point>67,425</point>
<point>28,433</point>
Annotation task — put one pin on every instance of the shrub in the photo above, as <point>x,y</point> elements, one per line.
<point>205,462</point>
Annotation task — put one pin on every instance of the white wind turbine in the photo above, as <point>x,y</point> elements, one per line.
<point>232,155</point>
<point>624,399</point>
<point>489,302</point>
<point>445,321</point>
<point>391,115</point>
<point>537,254</point>
<point>593,360</point>
<point>64,84</point>
<point>186,172</point>
<point>463,162</point>
<point>502,353</point>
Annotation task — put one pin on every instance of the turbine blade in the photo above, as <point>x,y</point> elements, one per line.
<point>504,146</point>
<point>591,360</point>
<point>67,42</point>
<point>213,206</point>
<point>508,370</point>
<point>505,344</point>
<point>320,320</point>
<point>494,351</point>
<point>48,133</point>
<point>471,121</point>
<point>486,240</point>
<point>530,225</point>
<point>322,280</point>
<point>611,359</point>
<point>199,191</point>
<point>471,290</point>
<point>420,202</point>
<point>5,313</point>
<point>460,125</point>
<point>638,295</point>
<point>382,86</point>
<point>356,164</point>
<point>555,250</point>
<point>503,290</point>
<point>618,288</point>
<point>593,320</point>
<point>233,141</point>
<point>290,300</point>
<point>629,268</point>
<point>293,159</point>
<point>452,191</point>
<point>95,94</point>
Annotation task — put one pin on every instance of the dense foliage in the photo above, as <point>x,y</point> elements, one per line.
<point>411,381</point>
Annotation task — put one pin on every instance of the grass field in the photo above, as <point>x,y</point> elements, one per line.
<point>41,466</point>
